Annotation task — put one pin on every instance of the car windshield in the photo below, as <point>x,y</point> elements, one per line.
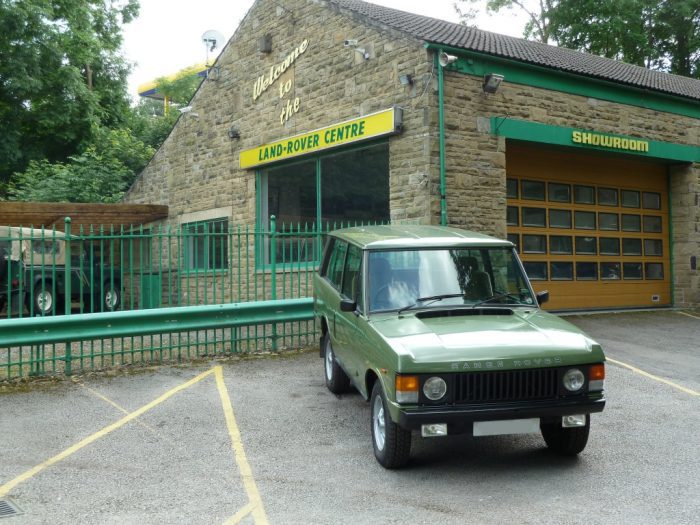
<point>438,278</point>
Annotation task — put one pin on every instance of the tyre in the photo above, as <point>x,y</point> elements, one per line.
<point>336,379</point>
<point>565,441</point>
<point>43,299</point>
<point>392,444</point>
<point>111,296</point>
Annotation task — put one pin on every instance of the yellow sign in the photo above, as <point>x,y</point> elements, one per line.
<point>607,141</point>
<point>371,126</point>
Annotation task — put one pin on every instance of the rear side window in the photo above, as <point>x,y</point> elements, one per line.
<point>351,276</point>
<point>336,263</point>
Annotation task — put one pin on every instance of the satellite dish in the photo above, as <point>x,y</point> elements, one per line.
<point>212,40</point>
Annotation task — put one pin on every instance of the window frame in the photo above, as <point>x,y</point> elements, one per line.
<point>189,238</point>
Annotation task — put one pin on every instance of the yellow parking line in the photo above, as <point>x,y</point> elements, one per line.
<point>7,487</point>
<point>655,378</point>
<point>689,315</point>
<point>238,516</point>
<point>251,488</point>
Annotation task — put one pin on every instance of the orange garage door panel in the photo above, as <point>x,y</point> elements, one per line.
<point>591,229</point>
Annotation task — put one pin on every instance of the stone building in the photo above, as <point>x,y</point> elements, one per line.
<point>322,111</point>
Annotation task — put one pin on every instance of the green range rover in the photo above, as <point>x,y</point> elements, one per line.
<point>441,331</point>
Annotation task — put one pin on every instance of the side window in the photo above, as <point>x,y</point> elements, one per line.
<point>336,263</point>
<point>351,277</point>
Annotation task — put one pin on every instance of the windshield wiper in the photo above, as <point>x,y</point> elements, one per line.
<point>501,295</point>
<point>430,299</point>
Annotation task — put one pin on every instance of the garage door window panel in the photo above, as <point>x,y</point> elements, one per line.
<point>632,271</point>
<point>631,247</point>
<point>607,197</point>
<point>536,217</point>
<point>653,271</point>
<point>586,271</point>
<point>586,246</point>
<point>560,244</point>
<point>584,220</point>
<point>652,224</point>
<point>560,219</point>
<point>609,246</point>
<point>629,199</point>
<point>562,271</point>
<point>512,188</point>
<point>610,271</point>
<point>559,192</point>
<point>532,190</point>
<point>653,247</point>
<point>631,223</point>
<point>534,244</point>
<point>651,200</point>
<point>536,270</point>
<point>512,213</point>
<point>608,221</point>
<point>584,194</point>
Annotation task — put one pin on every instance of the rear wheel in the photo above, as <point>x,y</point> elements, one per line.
<point>392,444</point>
<point>566,441</point>
<point>111,298</point>
<point>336,379</point>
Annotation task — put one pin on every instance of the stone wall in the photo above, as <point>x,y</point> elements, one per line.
<point>196,169</point>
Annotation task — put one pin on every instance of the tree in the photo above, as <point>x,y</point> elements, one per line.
<point>538,13</point>
<point>61,76</point>
<point>181,87</point>
<point>101,173</point>
<point>662,35</point>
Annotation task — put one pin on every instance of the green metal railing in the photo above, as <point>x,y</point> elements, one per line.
<point>76,343</point>
<point>139,295</point>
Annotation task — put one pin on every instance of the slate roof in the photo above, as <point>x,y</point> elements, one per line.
<point>455,35</point>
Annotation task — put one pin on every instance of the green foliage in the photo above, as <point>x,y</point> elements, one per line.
<point>101,173</point>
<point>61,76</point>
<point>662,35</point>
<point>182,87</point>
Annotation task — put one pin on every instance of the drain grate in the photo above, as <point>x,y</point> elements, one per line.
<point>8,509</point>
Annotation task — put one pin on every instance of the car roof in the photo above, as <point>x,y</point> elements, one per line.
<point>414,236</point>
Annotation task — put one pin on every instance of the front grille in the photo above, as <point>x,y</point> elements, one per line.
<point>506,385</point>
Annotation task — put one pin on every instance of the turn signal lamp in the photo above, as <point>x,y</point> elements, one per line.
<point>596,377</point>
<point>406,389</point>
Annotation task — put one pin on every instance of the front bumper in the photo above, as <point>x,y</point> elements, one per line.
<point>460,418</point>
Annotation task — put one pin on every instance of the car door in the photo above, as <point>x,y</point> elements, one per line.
<point>350,323</point>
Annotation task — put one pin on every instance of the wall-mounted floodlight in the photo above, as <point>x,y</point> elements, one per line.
<point>233,133</point>
<point>491,82</point>
<point>406,79</point>
<point>445,59</point>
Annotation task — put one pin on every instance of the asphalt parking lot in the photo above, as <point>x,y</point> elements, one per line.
<point>261,440</point>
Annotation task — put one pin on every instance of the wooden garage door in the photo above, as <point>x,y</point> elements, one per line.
<point>591,229</point>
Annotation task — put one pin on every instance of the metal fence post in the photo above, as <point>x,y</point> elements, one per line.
<point>67,291</point>
<point>273,273</point>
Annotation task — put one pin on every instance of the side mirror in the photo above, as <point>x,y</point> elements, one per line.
<point>346,305</point>
<point>542,297</point>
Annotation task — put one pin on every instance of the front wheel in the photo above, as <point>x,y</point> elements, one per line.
<point>392,444</point>
<point>566,441</point>
<point>336,379</point>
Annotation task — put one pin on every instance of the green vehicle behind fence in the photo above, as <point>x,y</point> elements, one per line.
<point>441,331</point>
<point>33,265</point>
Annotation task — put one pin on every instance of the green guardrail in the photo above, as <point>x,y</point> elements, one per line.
<point>35,346</point>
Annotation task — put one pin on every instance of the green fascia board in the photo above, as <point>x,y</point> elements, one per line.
<point>516,72</point>
<point>562,136</point>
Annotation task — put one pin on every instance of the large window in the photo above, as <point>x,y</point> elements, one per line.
<point>349,187</point>
<point>206,244</point>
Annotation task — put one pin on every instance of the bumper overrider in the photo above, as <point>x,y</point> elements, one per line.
<point>460,418</point>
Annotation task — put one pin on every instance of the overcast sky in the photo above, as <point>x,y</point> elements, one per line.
<point>167,37</point>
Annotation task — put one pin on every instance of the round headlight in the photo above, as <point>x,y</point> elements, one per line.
<point>573,380</point>
<point>435,388</point>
